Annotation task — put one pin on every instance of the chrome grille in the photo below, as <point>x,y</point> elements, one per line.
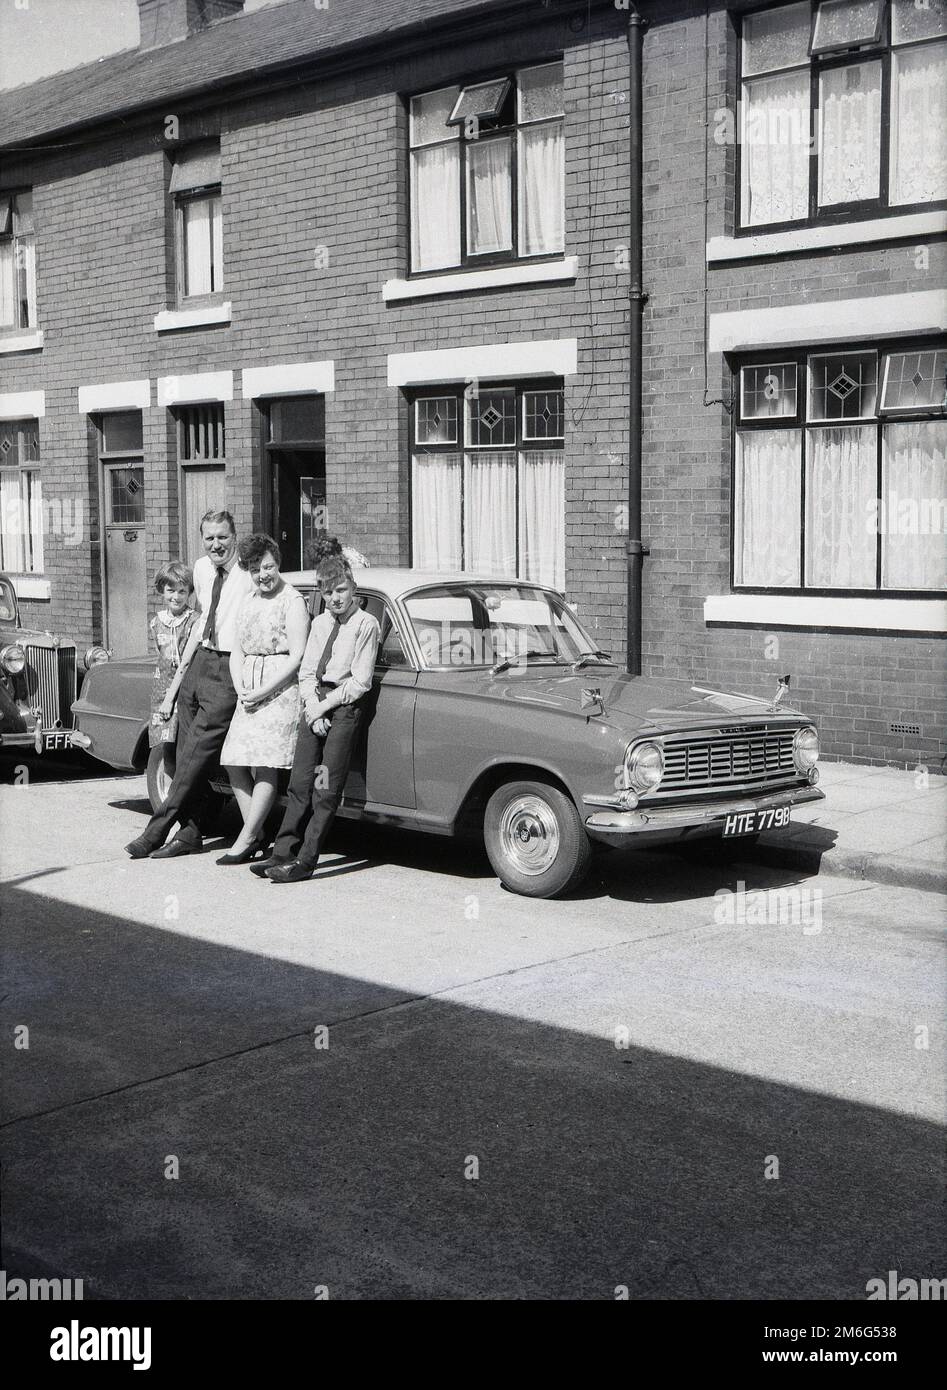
<point>51,673</point>
<point>760,756</point>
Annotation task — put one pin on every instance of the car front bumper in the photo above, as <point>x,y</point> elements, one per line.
<point>45,740</point>
<point>704,817</point>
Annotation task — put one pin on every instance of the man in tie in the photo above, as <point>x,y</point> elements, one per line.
<point>335,675</point>
<point>206,700</point>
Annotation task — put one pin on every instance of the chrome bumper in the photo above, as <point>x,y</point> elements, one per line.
<point>701,814</point>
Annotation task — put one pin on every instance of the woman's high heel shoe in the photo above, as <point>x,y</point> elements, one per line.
<point>245,855</point>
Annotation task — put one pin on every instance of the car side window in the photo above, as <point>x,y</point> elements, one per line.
<point>391,652</point>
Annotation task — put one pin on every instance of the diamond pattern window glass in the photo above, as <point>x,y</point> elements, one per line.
<point>543,415</point>
<point>491,419</point>
<point>436,420</point>
<point>843,386</point>
<point>127,499</point>
<point>915,381</point>
<point>769,391</point>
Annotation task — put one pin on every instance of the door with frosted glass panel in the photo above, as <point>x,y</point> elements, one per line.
<point>126,577</point>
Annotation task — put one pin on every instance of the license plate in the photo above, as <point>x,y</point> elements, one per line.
<point>57,740</point>
<point>752,822</point>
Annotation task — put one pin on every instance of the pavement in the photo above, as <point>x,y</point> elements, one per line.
<point>686,1080</point>
<point>882,824</point>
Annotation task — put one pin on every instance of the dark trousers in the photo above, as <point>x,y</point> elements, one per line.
<point>312,800</point>
<point>205,705</point>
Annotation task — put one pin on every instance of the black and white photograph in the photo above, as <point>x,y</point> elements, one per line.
<point>473,719</point>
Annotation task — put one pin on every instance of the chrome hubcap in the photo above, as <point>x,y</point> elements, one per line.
<point>529,834</point>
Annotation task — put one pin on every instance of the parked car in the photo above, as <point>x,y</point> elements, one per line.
<point>492,706</point>
<point>39,680</point>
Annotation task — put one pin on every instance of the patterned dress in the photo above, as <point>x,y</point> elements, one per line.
<point>170,636</point>
<point>265,736</point>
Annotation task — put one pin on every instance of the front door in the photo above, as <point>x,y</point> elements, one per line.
<point>299,502</point>
<point>126,576</point>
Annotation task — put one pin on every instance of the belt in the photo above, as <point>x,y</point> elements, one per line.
<point>217,651</point>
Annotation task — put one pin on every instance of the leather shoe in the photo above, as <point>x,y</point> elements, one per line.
<point>174,849</point>
<point>261,865</point>
<point>139,849</point>
<point>293,872</point>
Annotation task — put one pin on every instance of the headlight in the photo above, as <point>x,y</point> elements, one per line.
<point>94,657</point>
<point>13,659</point>
<point>805,749</point>
<point>645,766</point>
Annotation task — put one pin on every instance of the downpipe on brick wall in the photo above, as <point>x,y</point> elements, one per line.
<point>635,551</point>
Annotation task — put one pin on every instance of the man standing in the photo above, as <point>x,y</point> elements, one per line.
<point>335,675</point>
<point>207,698</point>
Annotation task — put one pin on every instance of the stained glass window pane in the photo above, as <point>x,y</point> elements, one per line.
<point>543,415</point>
<point>915,380</point>
<point>850,133</point>
<point>429,115</point>
<point>910,20</point>
<point>845,23</point>
<point>843,386</point>
<point>436,420</point>
<point>127,496</point>
<point>776,39</point>
<point>540,92</point>
<point>122,432</point>
<point>491,419</point>
<point>768,391</point>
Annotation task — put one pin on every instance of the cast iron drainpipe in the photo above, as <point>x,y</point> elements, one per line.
<point>637,298</point>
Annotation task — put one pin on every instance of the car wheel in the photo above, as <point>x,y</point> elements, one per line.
<point>159,776</point>
<point>535,840</point>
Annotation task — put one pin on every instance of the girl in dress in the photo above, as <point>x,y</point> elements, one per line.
<point>170,629</point>
<point>272,628</point>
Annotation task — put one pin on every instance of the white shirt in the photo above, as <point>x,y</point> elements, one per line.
<point>235,589</point>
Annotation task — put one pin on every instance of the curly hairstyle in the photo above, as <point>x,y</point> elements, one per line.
<point>253,549</point>
<point>321,547</point>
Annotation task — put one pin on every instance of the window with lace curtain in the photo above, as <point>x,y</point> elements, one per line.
<point>840,471</point>
<point>488,481</point>
<point>843,110</point>
<point>487,170</point>
<point>17,261</point>
<point>195,190</point>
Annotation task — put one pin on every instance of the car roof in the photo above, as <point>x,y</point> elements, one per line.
<point>392,583</point>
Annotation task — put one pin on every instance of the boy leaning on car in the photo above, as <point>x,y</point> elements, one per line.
<point>335,675</point>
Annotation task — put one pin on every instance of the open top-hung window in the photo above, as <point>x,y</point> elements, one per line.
<point>840,471</point>
<point>487,170</point>
<point>17,262</point>
<point>843,109</point>
<point>195,189</point>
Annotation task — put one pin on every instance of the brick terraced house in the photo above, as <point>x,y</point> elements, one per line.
<point>482,281</point>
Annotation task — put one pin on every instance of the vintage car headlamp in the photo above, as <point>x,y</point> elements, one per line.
<point>94,657</point>
<point>644,765</point>
<point>13,659</point>
<point>805,748</point>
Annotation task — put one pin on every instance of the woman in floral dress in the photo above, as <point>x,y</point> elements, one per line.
<point>272,628</point>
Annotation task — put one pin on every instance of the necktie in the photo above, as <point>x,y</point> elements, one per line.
<point>327,652</point>
<point>210,627</point>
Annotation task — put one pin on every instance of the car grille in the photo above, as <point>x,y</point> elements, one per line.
<point>51,674</point>
<point>756,756</point>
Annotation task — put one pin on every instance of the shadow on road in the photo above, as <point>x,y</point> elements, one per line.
<point>430,1150</point>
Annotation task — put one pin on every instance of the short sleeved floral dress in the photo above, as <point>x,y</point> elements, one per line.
<point>170,635</point>
<point>265,736</point>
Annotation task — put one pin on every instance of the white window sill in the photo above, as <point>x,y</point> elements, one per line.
<point>861,233</point>
<point>924,615</point>
<point>497,277</point>
<point>170,319</point>
<point>30,586</point>
<point>30,341</point>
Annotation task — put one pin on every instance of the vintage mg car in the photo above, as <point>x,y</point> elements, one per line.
<point>38,682</point>
<point>493,708</point>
